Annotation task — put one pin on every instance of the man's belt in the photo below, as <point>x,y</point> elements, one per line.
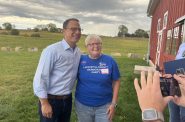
<point>59,97</point>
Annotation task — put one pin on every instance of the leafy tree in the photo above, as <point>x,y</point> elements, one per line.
<point>146,35</point>
<point>49,27</point>
<point>35,29</point>
<point>41,27</point>
<point>0,28</point>
<point>122,30</point>
<point>7,25</point>
<point>52,27</point>
<point>128,35</point>
<point>141,33</point>
<point>44,29</point>
<point>120,34</point>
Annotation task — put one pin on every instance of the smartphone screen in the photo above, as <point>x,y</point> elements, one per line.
<point>169,87</point>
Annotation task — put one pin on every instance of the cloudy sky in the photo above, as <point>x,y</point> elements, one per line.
<point>96,16</point>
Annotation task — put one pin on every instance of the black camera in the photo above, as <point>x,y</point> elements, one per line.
<point>169,87</point>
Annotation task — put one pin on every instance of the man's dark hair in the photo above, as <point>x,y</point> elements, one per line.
<point>66,22</point>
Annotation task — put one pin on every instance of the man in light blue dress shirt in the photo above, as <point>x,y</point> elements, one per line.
<point>56,74</point>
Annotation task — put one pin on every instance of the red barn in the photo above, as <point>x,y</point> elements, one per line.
<point>167,29</point>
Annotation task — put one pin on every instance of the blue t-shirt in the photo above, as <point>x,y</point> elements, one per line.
<point>95,79</point>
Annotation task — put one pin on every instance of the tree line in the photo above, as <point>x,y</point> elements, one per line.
<point>123,32</point>
<point>10,29</point>
<point>48,27</point>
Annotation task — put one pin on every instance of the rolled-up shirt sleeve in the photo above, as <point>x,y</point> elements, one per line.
<point>42,75</point>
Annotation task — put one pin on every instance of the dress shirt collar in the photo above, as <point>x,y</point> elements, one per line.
<point>67,47</point>
<point>65,44</point>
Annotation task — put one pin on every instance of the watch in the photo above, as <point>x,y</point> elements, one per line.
<point>151,114</point>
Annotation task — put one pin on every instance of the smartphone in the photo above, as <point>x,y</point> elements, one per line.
<point>169,87</point>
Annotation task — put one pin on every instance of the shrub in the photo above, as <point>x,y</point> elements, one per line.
<point>35,35</point>
<point>4,33</point>
<point>14,32</point>
<point>36,30</point>
<point>44,29</point>
<point>25,35</point>
<point>53,29</point>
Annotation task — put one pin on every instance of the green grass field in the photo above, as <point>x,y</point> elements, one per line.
<point>17,101</point>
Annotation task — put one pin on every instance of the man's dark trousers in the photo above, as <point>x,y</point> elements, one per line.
<point>61,110</point>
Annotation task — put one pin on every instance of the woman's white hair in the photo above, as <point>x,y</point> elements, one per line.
<point>92,36</point>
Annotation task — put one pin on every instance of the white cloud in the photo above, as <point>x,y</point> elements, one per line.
<point>96,16</point>
<point>100,29</point>
<point>22,22</point>
<point>137,2</point>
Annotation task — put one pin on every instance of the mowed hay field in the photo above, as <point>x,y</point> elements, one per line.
<point>17,101</point>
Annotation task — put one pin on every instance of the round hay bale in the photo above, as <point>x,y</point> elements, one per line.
<point>132,55</point>
<point>129,55</point>
<point>116,54</point>
<point>33,49</point>
<point>6,49</point>
<point>17,49</point>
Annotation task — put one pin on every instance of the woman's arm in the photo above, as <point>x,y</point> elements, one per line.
<point>110,110</point>
<point>116,86</point>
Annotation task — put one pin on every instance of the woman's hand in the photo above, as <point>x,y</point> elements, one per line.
<point>110,111</point>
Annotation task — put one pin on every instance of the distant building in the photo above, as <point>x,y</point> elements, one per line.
<point>167,29</point>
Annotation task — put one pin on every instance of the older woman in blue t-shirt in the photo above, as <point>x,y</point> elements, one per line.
<point>98,84</point>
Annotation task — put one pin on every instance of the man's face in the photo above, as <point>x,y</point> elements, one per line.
<point>72,32</point>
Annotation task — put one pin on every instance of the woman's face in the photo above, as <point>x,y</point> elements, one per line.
<point>94,48</point>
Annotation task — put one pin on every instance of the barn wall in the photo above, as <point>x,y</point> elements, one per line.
<point>176,9</point>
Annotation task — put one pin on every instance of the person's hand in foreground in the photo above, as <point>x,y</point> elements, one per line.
<point>149,93</point>
<point>181,80</point>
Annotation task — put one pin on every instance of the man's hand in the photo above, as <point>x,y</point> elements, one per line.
<point>149,94</point>
<point>46,108</point>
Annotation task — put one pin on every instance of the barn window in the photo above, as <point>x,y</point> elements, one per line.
<point>182,32</point>
<point>165,20</point>
<point>168,42</point>
<point>159,25</point>
<point>175,40</point>
<point>172,41</point>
